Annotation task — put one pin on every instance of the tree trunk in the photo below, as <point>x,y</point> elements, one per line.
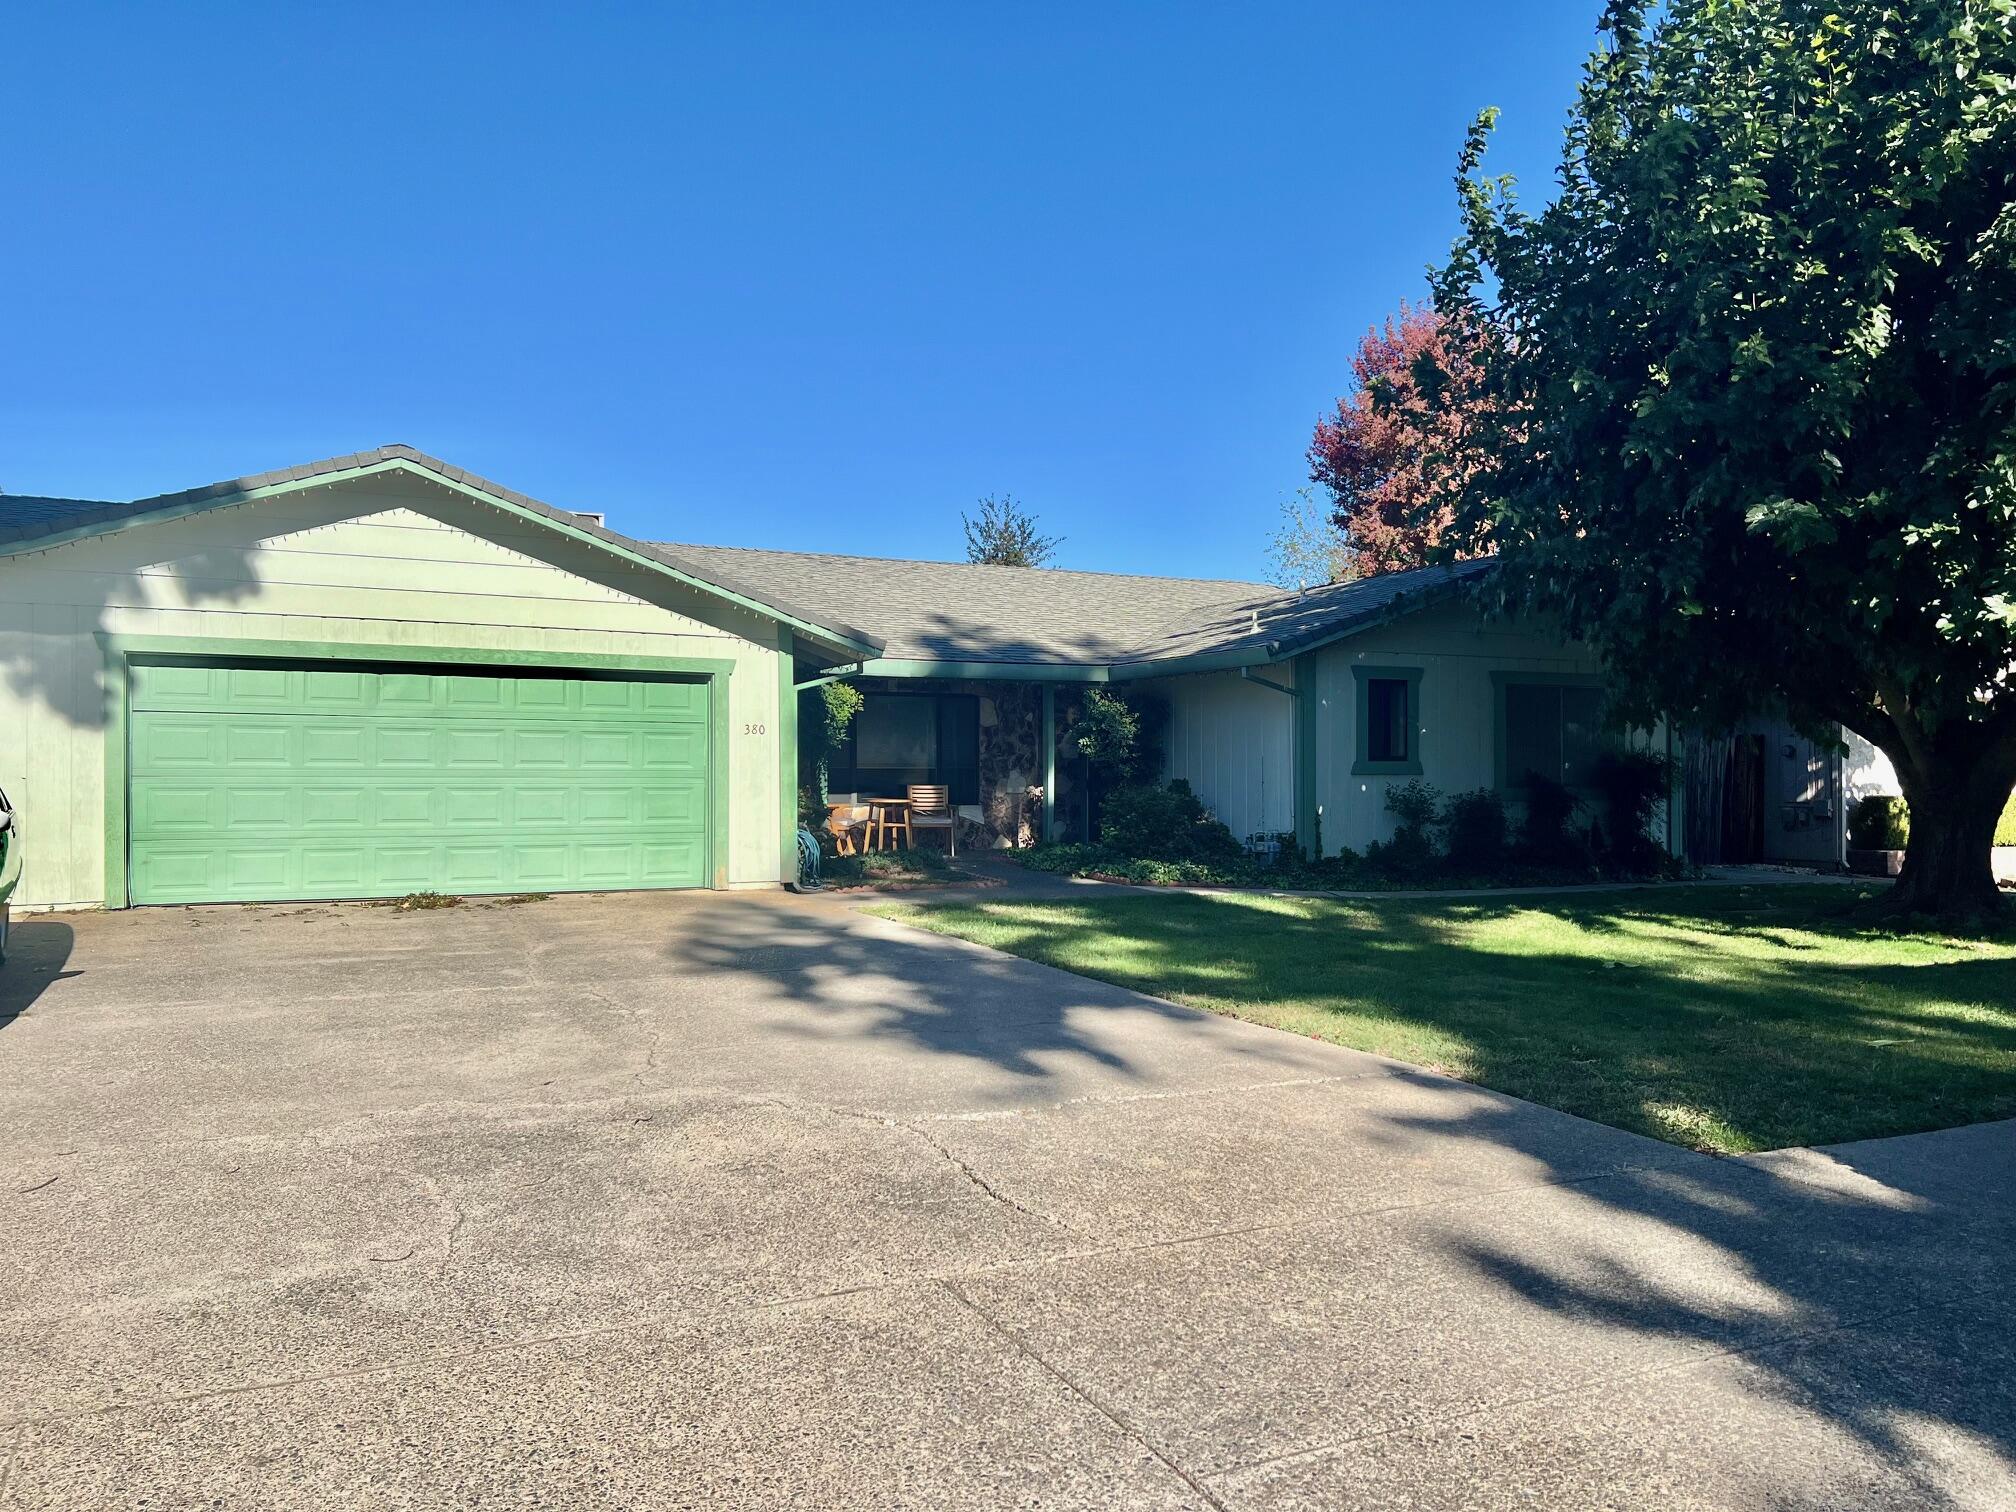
<point>1948,866</point>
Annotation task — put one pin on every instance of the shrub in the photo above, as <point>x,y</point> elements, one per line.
<point>1545,838</point>
<point>1633,785</point>
<point>1411,851</point>
<point>1473,829</point>
<point>1169,823</point>
<point>1879,822</point>
<point>2005,828</point>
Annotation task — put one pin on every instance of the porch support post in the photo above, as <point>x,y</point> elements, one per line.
<point>787,759</point>
<point>1307,832</point>
<point>1049,760</point>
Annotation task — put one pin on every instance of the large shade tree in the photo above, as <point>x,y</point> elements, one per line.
<point>1753,385</point>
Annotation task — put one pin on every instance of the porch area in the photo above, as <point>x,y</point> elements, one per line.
<point>992,744</point>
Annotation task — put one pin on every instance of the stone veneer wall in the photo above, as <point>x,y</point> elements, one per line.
<point>1011,760</point>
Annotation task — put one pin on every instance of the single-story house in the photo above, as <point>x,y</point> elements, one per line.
<point>381,674</point>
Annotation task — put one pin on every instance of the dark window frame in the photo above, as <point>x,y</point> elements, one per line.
<point>1504,778</point>
<point>1365,764</point>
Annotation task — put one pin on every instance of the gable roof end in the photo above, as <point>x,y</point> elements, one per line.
<point>37,524</point>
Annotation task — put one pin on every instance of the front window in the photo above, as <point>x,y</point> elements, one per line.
<point>1552,730</point>
<point>901,738</point>
<point>1389,721</point>
<point>1388,724</point>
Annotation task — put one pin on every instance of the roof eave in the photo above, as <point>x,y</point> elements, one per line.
<point>850,642</point>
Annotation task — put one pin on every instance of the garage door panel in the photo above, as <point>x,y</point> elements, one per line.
<point>251,743</point>
<point>328,743</point>
<point>250,784</point>
<point>673,751</point>
<point>407,745</point>
<point>682,803</point>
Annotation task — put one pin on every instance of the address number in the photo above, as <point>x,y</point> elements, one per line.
<point>755,729</point>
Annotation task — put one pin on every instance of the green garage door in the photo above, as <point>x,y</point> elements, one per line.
<point>252,783</point>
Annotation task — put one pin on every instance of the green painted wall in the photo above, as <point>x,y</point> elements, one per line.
<point>380,564</point>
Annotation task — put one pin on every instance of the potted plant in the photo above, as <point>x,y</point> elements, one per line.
<point>1878,828</point>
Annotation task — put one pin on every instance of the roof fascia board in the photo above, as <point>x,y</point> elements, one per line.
<point>401,465</point>
<point>1205,661</point>
<point>1078,672</point>
<point>1400,608</point>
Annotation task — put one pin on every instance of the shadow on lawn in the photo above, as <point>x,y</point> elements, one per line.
<point>1875,1302</point>
<point>1769,1049</point>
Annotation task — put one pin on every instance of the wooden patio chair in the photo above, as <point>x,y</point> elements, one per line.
<point>847,823</point>
<point>931,809</point>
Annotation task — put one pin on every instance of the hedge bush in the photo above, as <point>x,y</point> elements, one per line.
<point>1879,822</point>
<point>1147,823</point>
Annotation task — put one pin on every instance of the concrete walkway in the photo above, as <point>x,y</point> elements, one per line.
<point>696,1201</point>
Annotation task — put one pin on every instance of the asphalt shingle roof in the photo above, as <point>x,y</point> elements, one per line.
<point>916,611</point>
<point>959,611</point>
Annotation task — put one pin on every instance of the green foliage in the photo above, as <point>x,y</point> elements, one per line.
<point>1546,833</point>
<point>1415,805</point>
<point>920,865</point>
<point>1633,786</point>
<point>1749,411</point>
<point>1879,822</point>
<point>1005,535</point>
<point>1474,830</point>
<point>825,712</point>
<point>1150,823</point>
<point>2005,827</point>
<point>1106,733</point>
<point>839,702</point>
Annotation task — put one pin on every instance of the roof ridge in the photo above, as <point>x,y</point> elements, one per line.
<point>855,556</point>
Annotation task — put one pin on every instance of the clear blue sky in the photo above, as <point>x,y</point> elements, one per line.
<point>812,276</point>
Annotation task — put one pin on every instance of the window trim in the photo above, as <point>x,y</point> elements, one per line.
<point>1364,765</point>
<point>1500,681</point>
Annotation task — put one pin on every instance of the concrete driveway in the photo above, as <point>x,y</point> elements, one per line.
<point>669,1201</point>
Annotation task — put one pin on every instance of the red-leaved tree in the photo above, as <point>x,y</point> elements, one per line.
<point>1387,455</point>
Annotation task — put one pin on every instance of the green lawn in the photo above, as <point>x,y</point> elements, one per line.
<point>1722,1018</point>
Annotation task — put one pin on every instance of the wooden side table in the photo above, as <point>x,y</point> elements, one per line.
<point>888,817</point>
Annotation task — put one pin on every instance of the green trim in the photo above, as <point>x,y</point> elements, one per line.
<point>401,465</point>
<point>787,761</point>
<point>830,675</point>
<point>883,666</point>
<point>1363,765</point>
<point>1500,681</point>
<point>1308,709</point>
<point>1247,674</point>
<point>121,651</point>
<point>1067,672</point>
<point>1049,761</point>
<point>1181,666</point>
<point>118,700</point>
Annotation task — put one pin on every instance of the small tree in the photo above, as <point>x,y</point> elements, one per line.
<point>1386,455</point>
<point>1307,549</point>
<point>1005,535</point>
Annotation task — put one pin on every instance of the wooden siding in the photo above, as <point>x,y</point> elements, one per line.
<point>1233,740</point>
<point>375,563</point>
<point>1456,654</point>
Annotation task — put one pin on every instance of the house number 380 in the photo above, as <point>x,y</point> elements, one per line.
<point>755,729</point>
